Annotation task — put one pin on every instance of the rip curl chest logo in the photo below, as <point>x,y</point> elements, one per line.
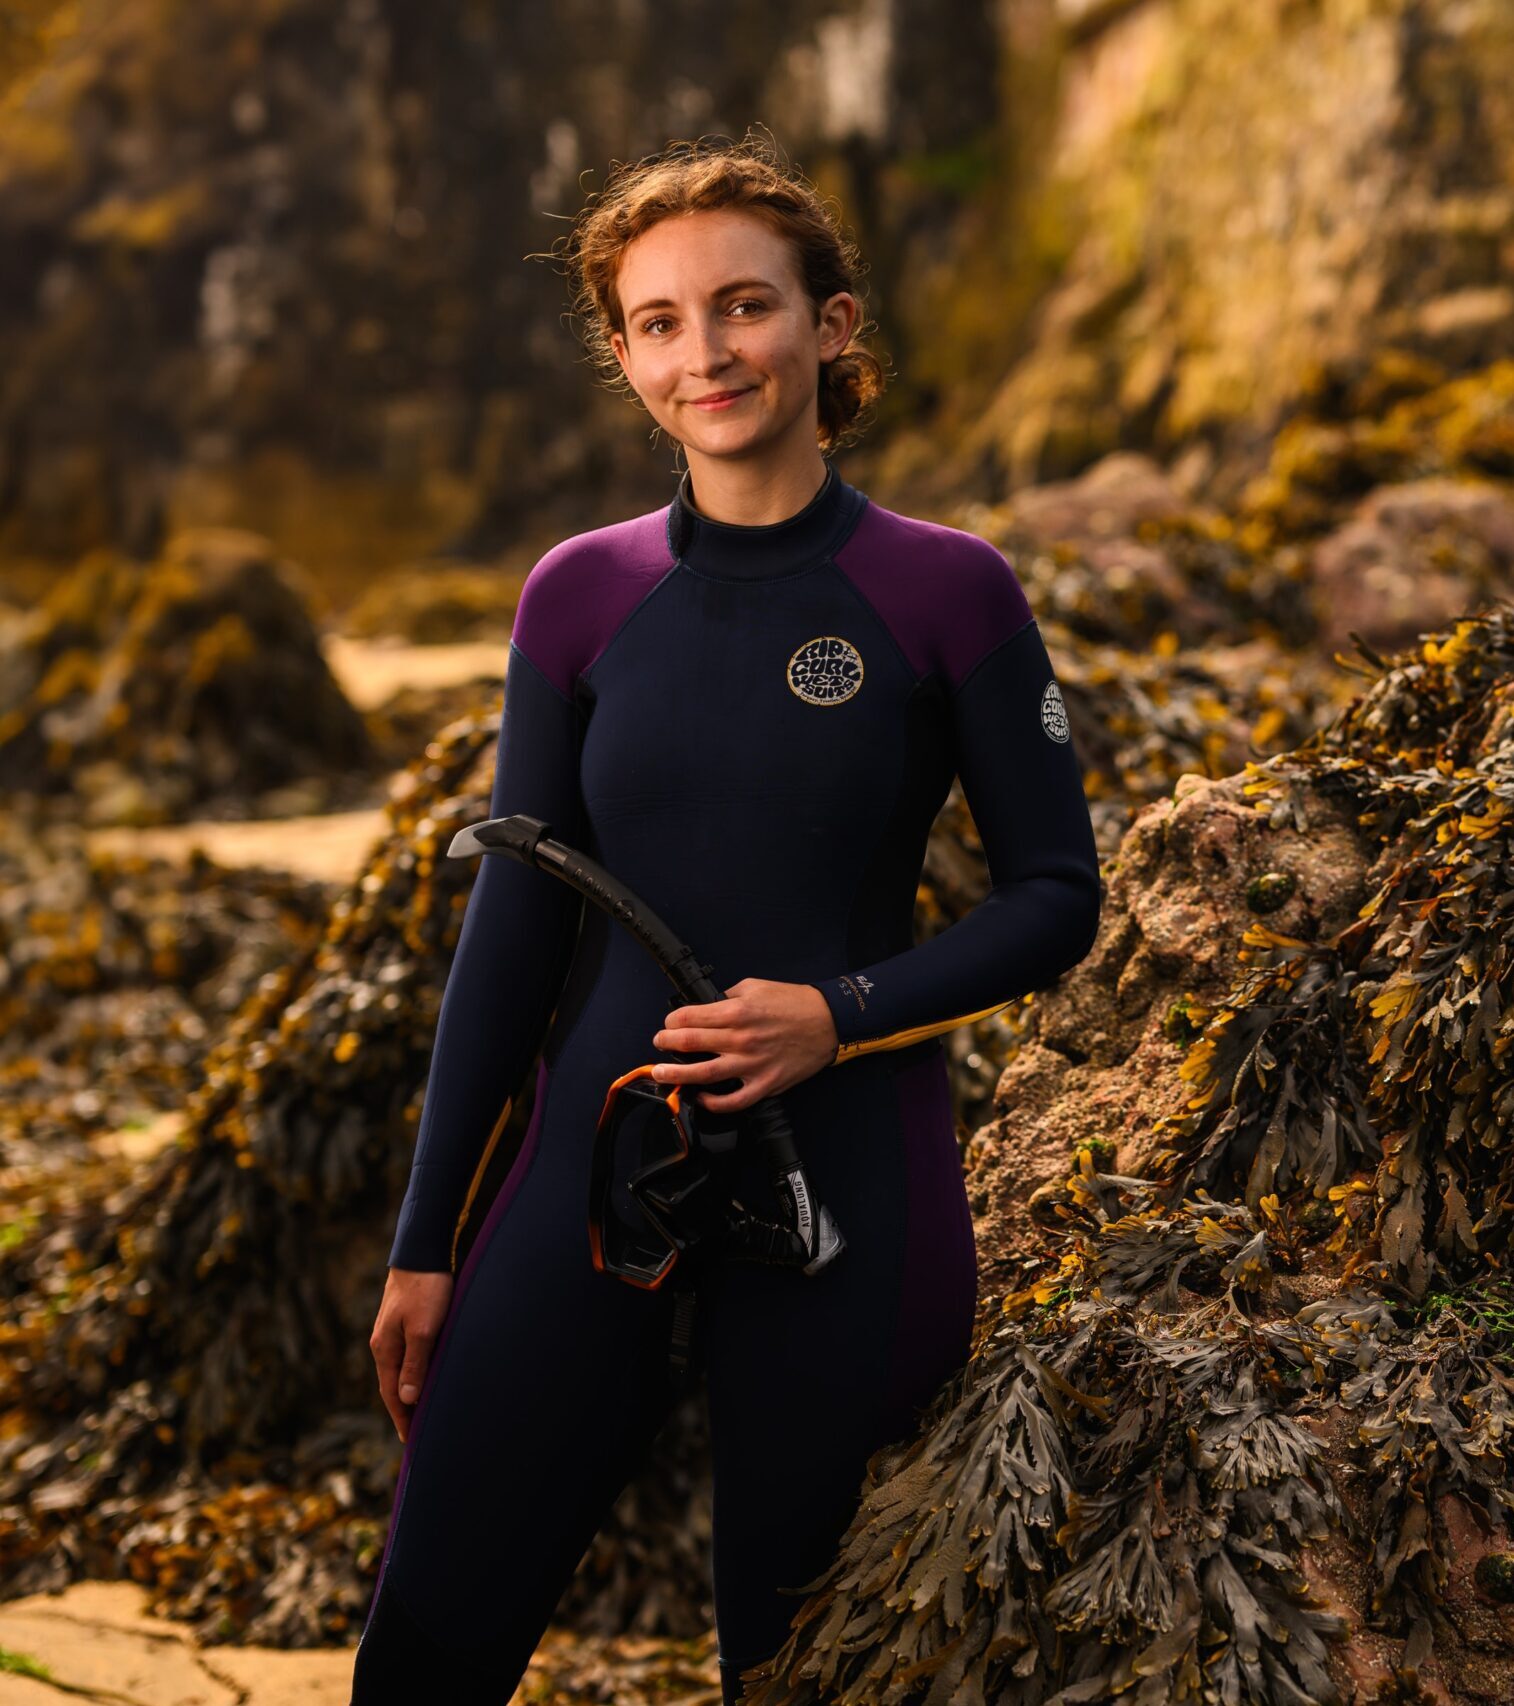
<point>826,670</point>
<point>1053,712</point>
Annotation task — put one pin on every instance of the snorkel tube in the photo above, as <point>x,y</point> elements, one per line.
<point>674,1192</point>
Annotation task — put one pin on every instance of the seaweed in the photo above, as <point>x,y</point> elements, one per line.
<point>1109,1510</point>
<point>1114,1496</point>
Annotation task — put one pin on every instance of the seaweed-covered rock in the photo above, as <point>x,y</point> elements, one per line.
<point>137,691</point>
<point>1387,421</point>
<point>1235,1426</point>
<point>1101,1058</point>
<point>116,974</point>
<point>1120,554</point>
<point>185,1384</point>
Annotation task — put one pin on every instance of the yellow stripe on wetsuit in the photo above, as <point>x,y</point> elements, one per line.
<point>478,1174</point>
<point>914,1034</point>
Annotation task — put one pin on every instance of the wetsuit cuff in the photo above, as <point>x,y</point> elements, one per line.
<point>848,1005</point>
<point>419,1245</point>
<point>418,1258</point>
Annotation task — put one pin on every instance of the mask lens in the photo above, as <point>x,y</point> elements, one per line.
<point>643,1131</point>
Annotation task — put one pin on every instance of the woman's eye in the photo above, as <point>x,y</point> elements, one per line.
<point>650,326</point>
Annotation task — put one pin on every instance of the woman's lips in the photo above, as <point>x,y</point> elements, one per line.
<point>723,402</point>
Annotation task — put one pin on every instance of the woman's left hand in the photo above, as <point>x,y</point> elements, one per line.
<point>769,1035</point>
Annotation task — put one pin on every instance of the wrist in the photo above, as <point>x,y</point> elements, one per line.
<point>841,1009</point>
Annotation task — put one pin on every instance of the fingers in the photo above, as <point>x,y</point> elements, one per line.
<point>704,1013</point>
<point>386,1345</point>
<point>732,1100</point>
<point>418,1344</point>
<point>696,1071</point>
<point>690,1039</point>
<point>400,1416</point>
<point>402,1343</point>
<point>688,1076</point>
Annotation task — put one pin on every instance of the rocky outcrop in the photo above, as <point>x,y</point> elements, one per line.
<point>1414,555</point>
<point>137,692</point>
<point>1194,874</point>
<point>1235,1421</point>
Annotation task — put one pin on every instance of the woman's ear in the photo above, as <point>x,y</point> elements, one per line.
<point>618,344</point>
<point>838,319</point>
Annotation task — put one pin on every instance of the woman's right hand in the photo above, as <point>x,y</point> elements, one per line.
<point>410,1317</point>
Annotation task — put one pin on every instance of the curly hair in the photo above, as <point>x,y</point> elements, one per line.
<point>751,175</point>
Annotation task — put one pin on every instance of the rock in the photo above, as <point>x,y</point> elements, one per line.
<point>1099,1062</point>
<point>1414,556</point>
<point>145,690</point>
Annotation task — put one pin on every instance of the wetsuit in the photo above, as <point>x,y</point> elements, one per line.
<point>754,728</point>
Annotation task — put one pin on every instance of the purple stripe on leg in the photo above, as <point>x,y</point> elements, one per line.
<point>940,1280</point>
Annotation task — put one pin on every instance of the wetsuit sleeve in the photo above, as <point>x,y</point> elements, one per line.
<point>1023,783</point>
<point>513,952</point>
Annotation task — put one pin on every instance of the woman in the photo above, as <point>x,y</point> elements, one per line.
<point>749,705</point>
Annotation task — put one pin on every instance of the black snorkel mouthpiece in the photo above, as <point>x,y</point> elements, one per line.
<point>659,1209</point>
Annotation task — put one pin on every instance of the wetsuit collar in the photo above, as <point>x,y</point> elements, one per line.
<point>729,551</point>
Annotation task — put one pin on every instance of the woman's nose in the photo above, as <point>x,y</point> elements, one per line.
<point>708,353</point>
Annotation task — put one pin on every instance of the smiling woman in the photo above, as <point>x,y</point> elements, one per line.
<point>730,364</point>
<point>748,704</point>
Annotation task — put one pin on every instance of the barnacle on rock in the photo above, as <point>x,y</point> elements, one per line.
<point>1495,1576</point>
<point>1269,891</point>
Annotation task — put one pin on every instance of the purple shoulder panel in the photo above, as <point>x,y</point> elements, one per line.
<point>948,596</point>
<point>581,590</point>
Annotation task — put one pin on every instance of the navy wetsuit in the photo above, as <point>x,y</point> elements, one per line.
<point>754,728</point>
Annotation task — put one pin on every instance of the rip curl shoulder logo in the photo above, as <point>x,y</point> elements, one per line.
<point>1053,712</point>
<point>826,670</point>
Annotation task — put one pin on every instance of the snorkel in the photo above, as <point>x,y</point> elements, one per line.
<point>686,1217</point>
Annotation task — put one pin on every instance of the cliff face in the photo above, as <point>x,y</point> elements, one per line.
<point>1262,207</point>
<point>275,261</point>
<point>260,257</point>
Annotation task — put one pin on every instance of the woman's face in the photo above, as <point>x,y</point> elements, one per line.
<point>713,304</point>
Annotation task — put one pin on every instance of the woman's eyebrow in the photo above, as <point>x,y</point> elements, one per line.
<point>724,290</point>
